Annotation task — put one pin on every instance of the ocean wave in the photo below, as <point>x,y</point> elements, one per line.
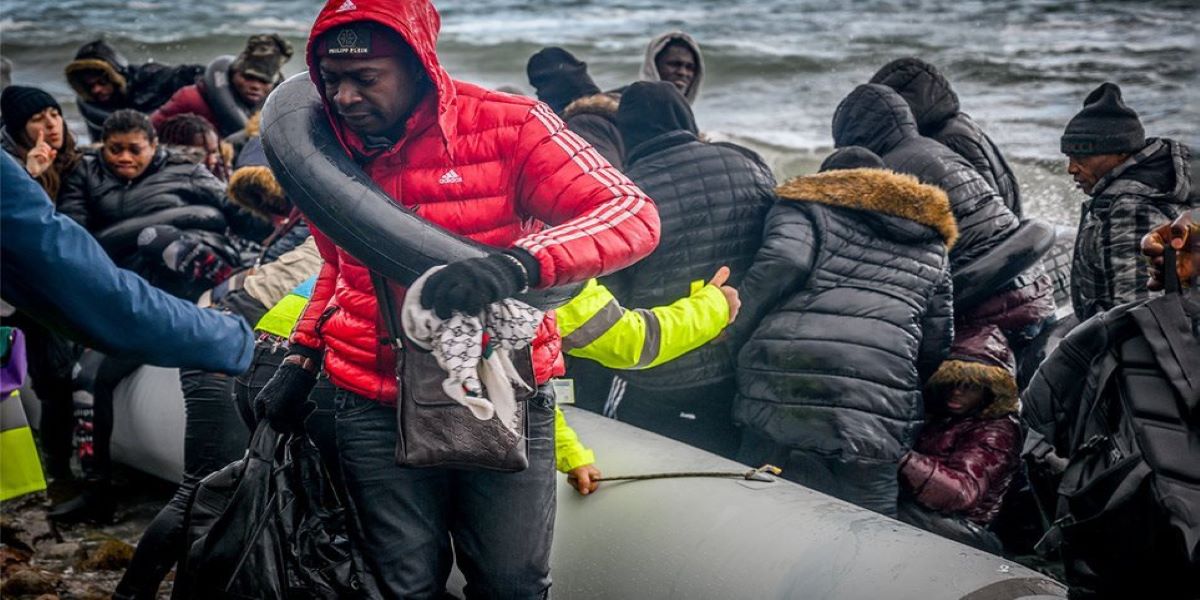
<point>9,25</point>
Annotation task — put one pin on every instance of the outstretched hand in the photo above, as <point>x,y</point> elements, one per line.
<point>40,157</point>
<point>730,293</point>
<point>1183,234</point>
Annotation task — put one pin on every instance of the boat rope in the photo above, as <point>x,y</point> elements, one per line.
<point>762,473</point>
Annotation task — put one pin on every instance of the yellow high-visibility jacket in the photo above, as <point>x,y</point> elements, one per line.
<point>593,325</point>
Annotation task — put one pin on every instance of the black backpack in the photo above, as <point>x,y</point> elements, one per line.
<point>1128,514</point>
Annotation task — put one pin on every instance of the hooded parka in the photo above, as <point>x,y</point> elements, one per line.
<point>935,107</point>
<point>712,199</point>
<point>1148,189</point>
<point>848,311</point>
<point>500,169</point>
<point>140,87</point>
<point>649,70</point>
<point>876,117</point>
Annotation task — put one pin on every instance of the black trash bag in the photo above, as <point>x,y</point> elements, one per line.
<point>268,527</point>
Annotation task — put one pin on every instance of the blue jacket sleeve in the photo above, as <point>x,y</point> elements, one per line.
<point>53,270</point>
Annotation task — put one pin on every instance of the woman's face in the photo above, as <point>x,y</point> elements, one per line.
<point>964,399</point>
<point>128,153</point>
<point>49,125</point>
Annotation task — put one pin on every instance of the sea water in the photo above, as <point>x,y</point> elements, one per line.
<point>776,69</point>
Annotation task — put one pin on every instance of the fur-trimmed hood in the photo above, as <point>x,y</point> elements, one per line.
<point>979,355</point>
<point>604,105</point>
<point>997,380</point>
<point>877,191</point>
<point>254,188</point>
<point>98,56</point>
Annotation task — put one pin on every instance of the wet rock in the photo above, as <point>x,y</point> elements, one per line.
<point>10,557</point>
<point>60,551</point>
<point>110,555</point>
<point>28,582</point>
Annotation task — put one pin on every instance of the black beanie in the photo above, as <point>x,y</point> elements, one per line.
<point>652,108</point>
<point>18,104</point>
<point>852,157</point>
<point>559,78</point>
<point>1104,126</point>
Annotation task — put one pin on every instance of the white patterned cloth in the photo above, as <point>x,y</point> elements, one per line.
<point>458,345</point>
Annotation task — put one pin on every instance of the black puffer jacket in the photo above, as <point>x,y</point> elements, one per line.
<point>853,281</point>
<point>140,87</point>
<point>712,200</point>
<point>594,118</point>
<point>876,117</point>
<point>935,107</point>
<point>97,198</point>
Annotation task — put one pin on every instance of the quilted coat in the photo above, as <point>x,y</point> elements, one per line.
<point>96,198</point>
<point>876,117</point>
<point>935,107</point>
<point>712,199</point>
<point>500,169</point>
<point>1148,189</point>
<point>847,310</point>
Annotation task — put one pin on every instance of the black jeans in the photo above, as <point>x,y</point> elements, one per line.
<point>700,416</point>
<point>319,426</point>
<point>97,460</point>
<point>501,524</point>
<point>214,436</point>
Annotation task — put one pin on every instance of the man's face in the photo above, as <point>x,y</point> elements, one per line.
<point>252,89</point>
<point>372,96</point>
<point>98,87</point>
<point>1087,170</point>
<point>676,64</point>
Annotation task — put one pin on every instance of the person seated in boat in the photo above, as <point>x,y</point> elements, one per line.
<point>37,135</point>
<point>104,82</point>
<point>955,478</point>
<point>191,136</point>
<point>131,186</point>
<point>848,311</point>
<point>563,83</point>
<point>673,57</point>
<point>232,89</point>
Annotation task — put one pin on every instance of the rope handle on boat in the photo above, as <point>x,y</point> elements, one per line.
<point>762,473</point>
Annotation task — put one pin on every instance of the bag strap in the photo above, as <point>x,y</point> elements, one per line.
<point>386,301</point>
<point>1167,328</point>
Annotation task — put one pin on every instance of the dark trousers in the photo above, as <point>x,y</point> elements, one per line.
<point>97,464</point>
<point>500,524</point>
<point>214,436</point>
<point>866,482</point>
<point>699,416</point>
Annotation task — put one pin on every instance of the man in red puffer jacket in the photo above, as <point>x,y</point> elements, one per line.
<point>504,171</point>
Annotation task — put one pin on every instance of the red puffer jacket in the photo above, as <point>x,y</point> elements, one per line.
<point>500,169</point>
<point>187,99</point>
<point>963,466</point>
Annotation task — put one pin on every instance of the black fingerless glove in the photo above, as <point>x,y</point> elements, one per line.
<point>284,400</point>
<point>469,285</point>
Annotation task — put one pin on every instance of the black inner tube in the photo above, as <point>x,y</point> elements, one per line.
<point>221,97</point>
<point>987,275</point>
<point>340,199</point>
